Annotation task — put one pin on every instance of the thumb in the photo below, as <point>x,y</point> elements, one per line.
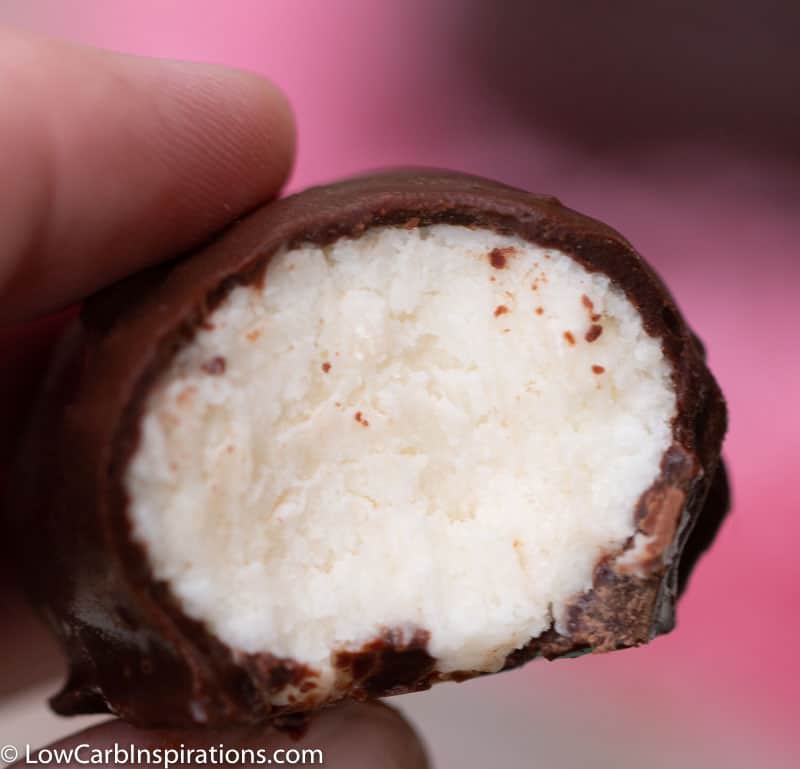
<point>115,162</point>
<point>352,736</point>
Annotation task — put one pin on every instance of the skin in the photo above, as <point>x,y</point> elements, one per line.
<point>112,163</point>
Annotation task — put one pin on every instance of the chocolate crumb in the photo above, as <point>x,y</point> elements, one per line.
<point>587,303</point>
<point>568,336</point>
<point>326,367</point>
<point>595,317</point>
<point>593,332</point>
<point>539,310</point>
<point>598,369</point>
<point>254,334</point>
<point>412,223</point>
<point>501,309</point>
<point>215,366</point>
<point>498,256</point>
<point>390,662</point>
<point>360,419</point>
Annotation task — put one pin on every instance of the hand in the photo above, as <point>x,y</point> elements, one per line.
<point>108,164</point>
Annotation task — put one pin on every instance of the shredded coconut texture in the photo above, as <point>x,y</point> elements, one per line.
<point>432,428</point>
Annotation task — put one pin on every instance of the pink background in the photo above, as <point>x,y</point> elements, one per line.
<point>672,127</point>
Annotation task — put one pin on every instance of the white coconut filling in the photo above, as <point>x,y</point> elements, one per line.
<point>408,430</point>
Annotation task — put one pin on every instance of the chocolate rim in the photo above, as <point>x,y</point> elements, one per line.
<point>139,644</point>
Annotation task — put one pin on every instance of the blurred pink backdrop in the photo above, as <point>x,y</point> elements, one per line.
<point>378,83</point>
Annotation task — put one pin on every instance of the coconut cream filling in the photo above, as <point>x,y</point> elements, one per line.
<point>437,428</point>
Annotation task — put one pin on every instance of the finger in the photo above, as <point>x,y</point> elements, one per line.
<point>110,163</point>
<point>355,736</point>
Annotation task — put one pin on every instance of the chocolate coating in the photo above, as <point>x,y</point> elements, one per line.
<point>131,649</point>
